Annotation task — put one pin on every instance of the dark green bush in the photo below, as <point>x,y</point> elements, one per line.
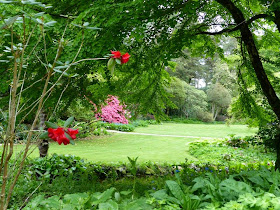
<point>90,128</point>
<point>237,141</point>
<point>267,135</point>
<point>116,126</point>
<point>57,165</point>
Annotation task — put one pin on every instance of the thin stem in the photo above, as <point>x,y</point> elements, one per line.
<point>44,92</point>
<point>26,200</point>
<point>60,97</point>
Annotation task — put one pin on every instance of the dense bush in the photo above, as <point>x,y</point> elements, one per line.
<point>237,141</point>
<point>205,116</point>
<point>192,121</point>
<point>267,135</point>
<point>118,127</point>
<point>90,128</point>
<point>126,127</point>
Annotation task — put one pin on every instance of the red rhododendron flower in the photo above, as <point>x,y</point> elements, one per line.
<point>72,132</point>
<point>58,135</point>
<point>125,57</point>
<point>116,54</point>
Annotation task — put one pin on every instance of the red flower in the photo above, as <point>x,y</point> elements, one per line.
<point>72,132</point>
<point>116,54</point>
<point>58,135</point>
<point>125,57</point>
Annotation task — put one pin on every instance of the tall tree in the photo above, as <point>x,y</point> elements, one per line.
<point>219,97</point>
<point>157,31</point>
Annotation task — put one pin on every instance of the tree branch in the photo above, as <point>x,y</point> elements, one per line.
<point>237,27</point>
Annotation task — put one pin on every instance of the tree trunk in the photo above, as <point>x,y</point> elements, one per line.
<point>44,143</point>
<point>213,109</point>
<point>216,113</point>
<point>277,19</point>
<point>277,163</point>
<point>256,62</point>
<point>43,147</point>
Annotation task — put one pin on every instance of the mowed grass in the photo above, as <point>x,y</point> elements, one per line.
<point>199,130</point>
<point>117,147</point>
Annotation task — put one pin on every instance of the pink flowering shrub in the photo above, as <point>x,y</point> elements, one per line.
<point>113,111</point>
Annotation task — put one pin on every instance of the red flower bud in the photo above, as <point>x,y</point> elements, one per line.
<point>58,135</point>
<point>125,57</point>
<point>116,54</point>
<point>72,132</point>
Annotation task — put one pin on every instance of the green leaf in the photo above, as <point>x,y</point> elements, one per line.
<point>51,125</point>
<point>93,28</point>
<point>160,195</point>
<point>33,204</point>
<point>111,65</point>
<point>51,202</point>
<point>61,72</point>
<point>51,23</point>
<point>77,25</point>
<point>118,61</point>
<point>175,189</point>
<point>126,192</point>
<point>5,2</point>
<point>39,14</point>
<point>68,136</point>
<point>44,135</point>
<point>117,196</point>
<point>103,197</point>
<point>68,122</point>
<point>109,205</point>
<point>9,22</point>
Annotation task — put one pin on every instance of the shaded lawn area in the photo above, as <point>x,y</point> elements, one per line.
<point>200,130</point>
<point>115,148</point>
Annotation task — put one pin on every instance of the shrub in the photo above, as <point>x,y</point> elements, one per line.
<point>237,141</point>
<point>126,127</point>
<point>113,112</point>
<point>117,126</point>
<point>90,128</point>
<point>267,135</point>
<point>57,165</point>
<point>205,116</point>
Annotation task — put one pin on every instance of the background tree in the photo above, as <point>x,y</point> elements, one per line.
<point>219,97</point>
<point>190,102</point>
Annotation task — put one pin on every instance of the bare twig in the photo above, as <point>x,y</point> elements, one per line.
<point>26,200</point>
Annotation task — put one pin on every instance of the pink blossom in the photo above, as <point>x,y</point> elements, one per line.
<point>113,112</point>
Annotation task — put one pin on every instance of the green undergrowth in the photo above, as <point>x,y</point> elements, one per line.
<point>219,153</point>
<point>58,176</point>
<point>247,189</point>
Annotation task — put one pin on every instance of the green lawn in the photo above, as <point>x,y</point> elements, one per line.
<point>200,130</point>
<point>116,147</point>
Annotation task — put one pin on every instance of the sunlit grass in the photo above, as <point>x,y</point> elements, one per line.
<point>117,147</point>
<point>199,130</point>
